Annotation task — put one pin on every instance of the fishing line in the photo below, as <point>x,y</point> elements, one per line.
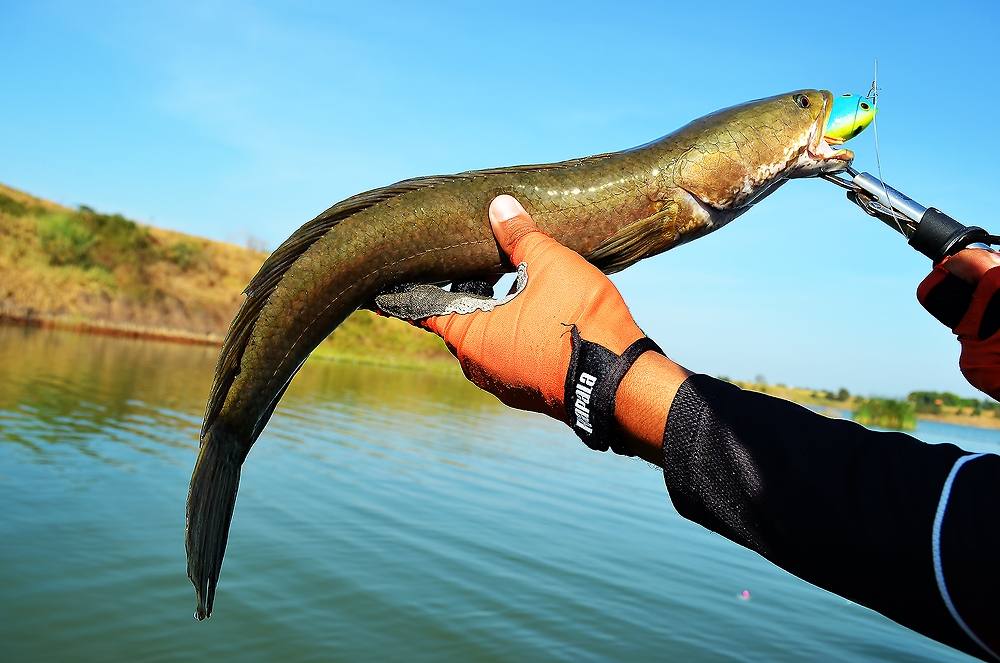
<point>873,95</point>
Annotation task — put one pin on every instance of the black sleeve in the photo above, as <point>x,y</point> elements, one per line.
<point>845,508</point>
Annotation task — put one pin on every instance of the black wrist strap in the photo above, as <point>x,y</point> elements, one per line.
<point>591,387</point>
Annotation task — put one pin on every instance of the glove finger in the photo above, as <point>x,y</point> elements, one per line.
<point>982,320</point>
<point>945,296</point>
<point>971,264</point>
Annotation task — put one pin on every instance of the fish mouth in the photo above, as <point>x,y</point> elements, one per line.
<point>820,150</point>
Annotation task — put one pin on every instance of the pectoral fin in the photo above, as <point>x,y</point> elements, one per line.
<point>646,237</point>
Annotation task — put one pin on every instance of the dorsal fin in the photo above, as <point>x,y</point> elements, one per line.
<point>277,264</point>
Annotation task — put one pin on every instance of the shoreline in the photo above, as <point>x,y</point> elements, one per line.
<point>961,420</point>
<point>170,335</point>
<point>183,337</point>
<point>829,407</point>
<point>119,329</point>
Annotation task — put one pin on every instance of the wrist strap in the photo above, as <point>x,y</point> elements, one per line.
<point>592,385</point>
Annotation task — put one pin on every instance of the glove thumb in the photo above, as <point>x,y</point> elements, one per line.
<point>516,233</point>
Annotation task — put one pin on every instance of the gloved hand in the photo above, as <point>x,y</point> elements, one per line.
<point>532,348</point>
<point>963,292</point>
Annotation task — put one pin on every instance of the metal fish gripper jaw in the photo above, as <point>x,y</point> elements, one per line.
<point>928,230</point>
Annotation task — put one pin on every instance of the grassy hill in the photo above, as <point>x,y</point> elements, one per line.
<point>86,270</point>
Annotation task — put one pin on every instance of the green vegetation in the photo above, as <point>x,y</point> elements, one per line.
<point>110,243</point>
<point>943,402</point>
<point>65,240</point>
<point>13,207</point>
<point>840,396</point>
<point>85,269</point>
<point>886,413</point>
<point>186,255</point>
<point>86,238</point>
<point>89,239</point>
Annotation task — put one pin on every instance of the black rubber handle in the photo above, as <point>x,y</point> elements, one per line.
<point>938,235</point>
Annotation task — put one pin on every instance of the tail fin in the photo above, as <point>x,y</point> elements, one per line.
<point>210,503</point>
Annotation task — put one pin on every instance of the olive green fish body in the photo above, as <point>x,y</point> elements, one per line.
<point>614,209</point>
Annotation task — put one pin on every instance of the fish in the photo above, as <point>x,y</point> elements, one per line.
<point>614,209</point>
<point>848,117</point>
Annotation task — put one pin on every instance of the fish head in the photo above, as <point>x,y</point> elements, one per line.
<point>734,157</point>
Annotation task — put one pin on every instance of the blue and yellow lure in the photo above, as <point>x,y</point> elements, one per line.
<point>849,116</point>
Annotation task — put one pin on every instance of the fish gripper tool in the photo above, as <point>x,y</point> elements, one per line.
<point>928,230</point>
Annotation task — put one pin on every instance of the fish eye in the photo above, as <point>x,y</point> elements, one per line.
<point>864,106</point>
<point>802,100</point>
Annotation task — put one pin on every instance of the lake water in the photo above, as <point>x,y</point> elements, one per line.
<point>384,515</point>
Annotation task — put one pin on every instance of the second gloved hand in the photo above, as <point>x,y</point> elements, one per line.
<point>963,292</point>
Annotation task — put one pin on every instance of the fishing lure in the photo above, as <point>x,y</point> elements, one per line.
<point>849,116</point>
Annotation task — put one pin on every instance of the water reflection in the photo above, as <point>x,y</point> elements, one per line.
<point>383,515</point>
<point>81,391</point>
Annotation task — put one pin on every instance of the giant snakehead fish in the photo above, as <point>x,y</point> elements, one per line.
<point>615,209</point>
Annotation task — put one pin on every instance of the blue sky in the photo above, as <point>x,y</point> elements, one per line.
<point>233,119</point>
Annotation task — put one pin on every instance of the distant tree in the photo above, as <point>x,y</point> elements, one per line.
<point>843,394</point>
<point>928,402</point>
<point>760,380</point>
<point>255,243</point>
<point>950,399</point>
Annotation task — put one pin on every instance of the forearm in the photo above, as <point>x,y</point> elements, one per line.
<point>848,509</point>
<point>643,401</point>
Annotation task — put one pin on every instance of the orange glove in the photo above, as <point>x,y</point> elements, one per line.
<point>558,340</point>
<point>963,292</point>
